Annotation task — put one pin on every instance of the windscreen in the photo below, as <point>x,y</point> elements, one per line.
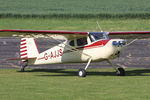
<point>94,36</point>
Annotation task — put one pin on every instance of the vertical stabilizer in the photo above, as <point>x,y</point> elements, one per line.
<point>28,48</point>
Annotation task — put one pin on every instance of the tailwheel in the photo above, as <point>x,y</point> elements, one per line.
<point>22,69</point>
<point>82,73</point>
<point>120,72</point>
<point>25,64</point>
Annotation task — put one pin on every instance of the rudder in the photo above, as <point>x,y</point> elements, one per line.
<point>28,48</point>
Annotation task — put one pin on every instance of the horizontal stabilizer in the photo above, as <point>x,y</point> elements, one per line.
<point>21,58</point>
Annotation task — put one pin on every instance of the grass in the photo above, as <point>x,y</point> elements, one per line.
<point>75,24</point>
<point>77,8</point>
<point>100,84</point>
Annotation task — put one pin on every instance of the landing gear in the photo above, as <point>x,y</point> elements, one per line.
<point>82,72</point>
<point>23,66</point>
<point>22,69</point>
<point>119,71</point>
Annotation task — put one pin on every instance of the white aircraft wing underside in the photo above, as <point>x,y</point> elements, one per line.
<point>130,34</point>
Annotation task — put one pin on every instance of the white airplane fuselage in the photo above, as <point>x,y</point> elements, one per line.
<point>98,51</point>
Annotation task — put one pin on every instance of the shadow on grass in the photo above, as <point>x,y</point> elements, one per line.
<point>138,72</point>
<point>62,72</point>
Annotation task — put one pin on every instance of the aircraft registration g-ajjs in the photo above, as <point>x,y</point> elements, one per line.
<point>78,47</point>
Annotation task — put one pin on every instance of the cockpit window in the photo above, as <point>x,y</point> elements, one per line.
<point>94,36</point>
<point>82,41</point>
<point>72,43</point>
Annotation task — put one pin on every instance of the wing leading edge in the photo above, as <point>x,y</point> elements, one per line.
<point>76,34</point>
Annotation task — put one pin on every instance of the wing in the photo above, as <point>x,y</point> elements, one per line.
<point>66,34</point>
<point>130,35</point>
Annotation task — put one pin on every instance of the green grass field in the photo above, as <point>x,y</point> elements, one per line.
<point>100,84</point>
<point>75,24</point>
<point>77,8</point>
<point>78,15</point>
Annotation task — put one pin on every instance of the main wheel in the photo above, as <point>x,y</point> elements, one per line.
<point>82,73</point>
<point>120,72</point>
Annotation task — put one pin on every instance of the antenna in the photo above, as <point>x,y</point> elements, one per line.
<point>99,26</point>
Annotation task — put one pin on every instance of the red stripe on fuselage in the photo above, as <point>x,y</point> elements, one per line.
<point>97,43</point>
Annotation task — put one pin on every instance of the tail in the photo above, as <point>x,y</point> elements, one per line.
<point>28,49</point>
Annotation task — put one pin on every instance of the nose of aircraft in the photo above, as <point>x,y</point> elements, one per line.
<point>119,45</point>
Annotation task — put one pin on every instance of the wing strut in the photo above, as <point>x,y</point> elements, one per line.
<point>131,42</point>
<point>72,48</point>
<point>82,72</point>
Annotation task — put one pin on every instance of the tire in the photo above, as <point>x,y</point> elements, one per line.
<point>22,69</point>
<point>23,66</point>
<point>82,73</point>
<point>120,72</point>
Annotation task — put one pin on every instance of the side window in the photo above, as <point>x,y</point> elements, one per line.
<point>82,41</point>
<point>72,43</point>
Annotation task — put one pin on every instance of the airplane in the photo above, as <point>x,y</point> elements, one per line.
<point>78,47</point>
